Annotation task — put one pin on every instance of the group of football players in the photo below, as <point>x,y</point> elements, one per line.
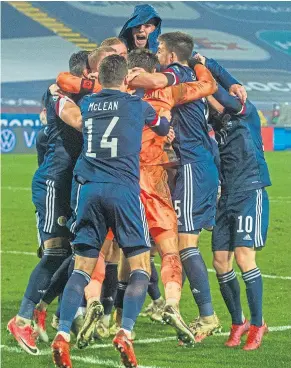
<point>128,169</point>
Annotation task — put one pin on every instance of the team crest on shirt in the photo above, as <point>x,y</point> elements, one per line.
<point>62,220</point>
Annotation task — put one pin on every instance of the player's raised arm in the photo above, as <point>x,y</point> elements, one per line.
<point>69,112</point>
<point>73,84</point>
<point>224,78</point>
<point>190,91</point>
<point>230,103</point>
<point>150,81</point>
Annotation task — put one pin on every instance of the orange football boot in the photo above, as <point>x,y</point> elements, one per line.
<point>124,345</point>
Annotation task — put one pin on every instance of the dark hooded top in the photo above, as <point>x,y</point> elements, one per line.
<point>141,15</point>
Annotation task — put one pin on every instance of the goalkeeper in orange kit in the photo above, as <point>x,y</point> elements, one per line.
<point>155,193</point>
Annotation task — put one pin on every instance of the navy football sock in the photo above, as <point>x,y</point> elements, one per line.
<point>197,275</point>
<point>134,298</point>
<point>58,282</point>
<point>58,311</point>
<point>153,288</point>
<point>121,288</point>
<point>184,276</point>
<point>230,291</point>
<point>72,299</point>
<point>71,266</point>
<point>254,288</point>
<point>40,279</point>
<point>109,287</point>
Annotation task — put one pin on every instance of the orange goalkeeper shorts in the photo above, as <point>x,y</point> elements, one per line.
<point>156,198</point>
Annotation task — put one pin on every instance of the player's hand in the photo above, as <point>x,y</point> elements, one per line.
<point>93,75</point>
<point>134,72</point>
<point>165,113</point>
<point>171,135</point>
<point>55,90</point>
<point>238,91</point>
<point>200,58</point>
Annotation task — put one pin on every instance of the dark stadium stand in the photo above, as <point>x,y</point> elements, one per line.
<point>249,38</point>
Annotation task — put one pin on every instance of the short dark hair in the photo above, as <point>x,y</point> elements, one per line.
<point>142,58</point>
<point>78,62</point>
<point>111,41</point>
<point>112,71</point>
<point>180,43</point>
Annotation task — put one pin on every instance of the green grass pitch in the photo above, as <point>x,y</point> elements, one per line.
<point>19,234</point>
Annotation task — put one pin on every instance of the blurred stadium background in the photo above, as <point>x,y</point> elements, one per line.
<point>251,39</point>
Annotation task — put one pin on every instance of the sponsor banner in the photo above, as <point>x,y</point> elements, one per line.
<point>252,12</point>
<point>279,40</point>
<point>117,9</point>
<point>18,140</point>
<point>265,85</point>
<point>20,120</point>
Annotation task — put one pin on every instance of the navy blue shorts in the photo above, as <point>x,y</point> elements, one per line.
<point>100,206</point>
<point>194,196</point>
<point>52,205</point>
<point>242,220</point>
<point>75,195</point>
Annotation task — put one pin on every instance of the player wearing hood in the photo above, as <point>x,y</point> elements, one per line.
<point>142,29</point>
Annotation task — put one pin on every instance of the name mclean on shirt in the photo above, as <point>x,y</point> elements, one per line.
<point>103,106</point>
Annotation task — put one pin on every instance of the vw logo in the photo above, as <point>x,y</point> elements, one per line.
<point>8,140</point>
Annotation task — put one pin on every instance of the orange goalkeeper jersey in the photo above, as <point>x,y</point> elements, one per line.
<point>152,150</point>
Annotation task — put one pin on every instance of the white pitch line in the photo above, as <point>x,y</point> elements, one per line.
<point>211,270</point>
<point>16,188</point>
<point>279,201</point>
<point>280,197</point>
<point>18,252</point>
<point>86,360</point>
<point>107,362</point>
<point>111,363</point>
<point>263,275</point>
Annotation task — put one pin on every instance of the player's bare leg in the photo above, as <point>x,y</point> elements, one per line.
<point>133,300</point>
<point>230,291</point>
<point>207,323</point>
<point>171,275</point>
<point>171,270</point>
<point>72,298</point>
<point>251,274</point>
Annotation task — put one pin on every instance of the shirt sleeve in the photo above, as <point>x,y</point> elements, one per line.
<point>172,76</point>
<point>220,74</point>
<point>190,91</point>
<point>72,84</point>
<point>232,104</point>
<point>60,103</point>
<point>160,125</point>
